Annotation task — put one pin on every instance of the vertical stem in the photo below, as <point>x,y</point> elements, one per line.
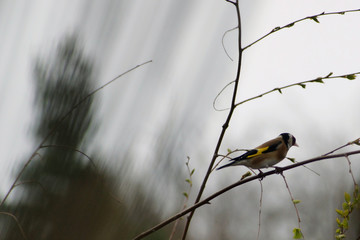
<point>226,124</point>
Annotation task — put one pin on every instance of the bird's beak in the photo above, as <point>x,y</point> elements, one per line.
<point>296,145</point>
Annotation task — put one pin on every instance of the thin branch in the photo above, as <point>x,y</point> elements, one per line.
<point>186,194</point>
<point>292,199</point>
<point>72,149</point>
<point>86,98</point>
<point>90,160</point>
<point>356,141</point>
<point>236,184</point>
<point>350,171</point>
<point>222,42</point>
<point>32,182</point>
<point>313,18</point>
<point>51,132</point>
<point>350,76</point>
<point>221,91</point>
<point>18,177</point>
<point>260,207</point>
<point>224,127</point>
<point>226,156</point>
<point>293,161</point>
<point>17,223</point>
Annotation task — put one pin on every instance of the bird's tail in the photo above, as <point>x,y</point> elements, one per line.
<point>226,165</point>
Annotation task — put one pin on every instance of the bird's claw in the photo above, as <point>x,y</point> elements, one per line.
<point>261,175</point>
<point>279,170</point>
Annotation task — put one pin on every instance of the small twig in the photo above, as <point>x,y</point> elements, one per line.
<point>72,149</point>
<point>222,41</point>
<point>17,223</point>
<point>51,132</point>
<point>350,76</point>
<point>292,198</point>
<point>294,161</point>
<point>221,91</point>
<point>260,207</point>
<point>356,141</point>
<point>186,194</point>
<point>225,125</point>
<point>226,156</point>
<point>32,182</point>
<point>18,177</point>
<point>313,17</point>
<point>89,159</point>
<point>350,171</point>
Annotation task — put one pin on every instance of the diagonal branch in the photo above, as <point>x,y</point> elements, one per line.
<point>53,130</point>
<point>224,127</point>
<point>238,183</point>
<point>313,17</point>
<point>17,223</point>
<point>350,76</point>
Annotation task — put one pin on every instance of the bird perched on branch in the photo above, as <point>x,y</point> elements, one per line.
<point>265,155</point>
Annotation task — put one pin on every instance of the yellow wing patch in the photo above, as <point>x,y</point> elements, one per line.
<point>259,152</point>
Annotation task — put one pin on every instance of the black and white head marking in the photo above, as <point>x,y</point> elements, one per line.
<point>289,139</point>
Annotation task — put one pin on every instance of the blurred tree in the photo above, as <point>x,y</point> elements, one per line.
<point>61,194</point>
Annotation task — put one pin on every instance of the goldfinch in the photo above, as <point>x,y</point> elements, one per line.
<point>265,155</point>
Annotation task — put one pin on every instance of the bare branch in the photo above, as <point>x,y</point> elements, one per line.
<point>356,141</point>
<point>238,183</point>
<point>260,207</point>
<point>52,131</point>
<point>301,84</point>
<point>17,223</point>
<point>313,18</point>
<point>292,198</point>
<point>226,124</point>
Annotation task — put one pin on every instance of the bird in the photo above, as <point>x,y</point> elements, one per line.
<point>267,154</point>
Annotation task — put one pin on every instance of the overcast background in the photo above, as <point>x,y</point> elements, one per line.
<point>165,108</point>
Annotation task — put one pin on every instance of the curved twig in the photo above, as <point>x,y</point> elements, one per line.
<point>17,223</point>
<point>222,41</point>
<point>90,160</point>
<point>51,132</point>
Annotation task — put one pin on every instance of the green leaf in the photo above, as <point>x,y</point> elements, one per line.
<point>351,76</point>
<point>329,75</point>
<point>185,194</point>
<point>345,223</point>
<point>319,80</point>
<point>338,221</point>
<point>302,85</point>
<point>229,150</point>
<point>341,236</point>
<point>297,233</point>
<point>315,19</point>
<point>340,212</point>
<point>188,181</point>
<point>276,29</point>
<point>345,205</point>
<point>289,25</point>
<point>296,201</point>
<point>192,172</point>
<point>347,197</point>
<point>291,159</point>
<point>247,174</point>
